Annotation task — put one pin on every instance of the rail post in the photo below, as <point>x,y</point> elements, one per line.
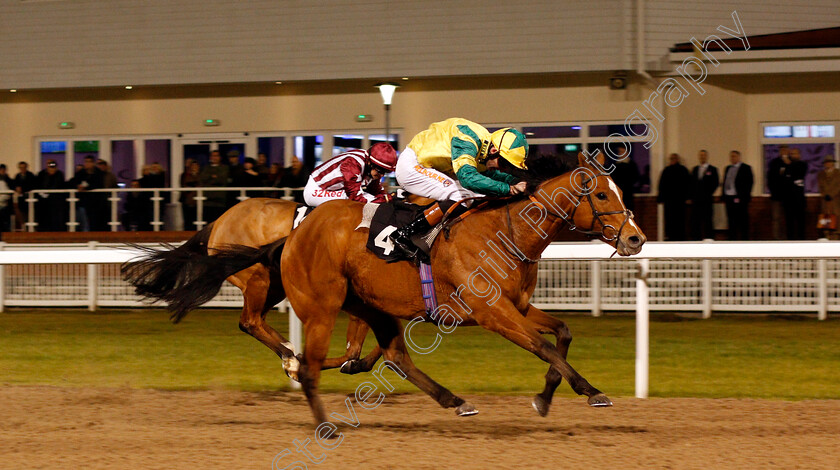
<point>2,282</point>
<point>822,269</point>
<point>156,222</point>
<point>72,199</point>
<point>706,290</point>
<point>92,280</point>
<point>199,209</point>
<point>295,335</point>
<point>30,207</point>
<point>642,328</point>
<point>595,282</point>
<point>114,199</point>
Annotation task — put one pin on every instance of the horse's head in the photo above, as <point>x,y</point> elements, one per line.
<point>589,200</point>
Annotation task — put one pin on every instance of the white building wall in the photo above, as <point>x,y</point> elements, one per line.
<point>80,43</point>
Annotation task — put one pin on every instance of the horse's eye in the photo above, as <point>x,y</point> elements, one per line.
<point>601,196</point>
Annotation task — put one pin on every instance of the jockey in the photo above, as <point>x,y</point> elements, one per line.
<point>453,160</point>
<point>352,175</point>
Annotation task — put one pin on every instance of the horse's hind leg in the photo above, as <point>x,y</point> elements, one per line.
<point>350,363</point>
<point>389,334</point>
<point>547,324</point>
<point>318,324</point>
<point>260,295</point>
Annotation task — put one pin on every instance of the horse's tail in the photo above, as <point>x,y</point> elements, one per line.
<point>187,276</point>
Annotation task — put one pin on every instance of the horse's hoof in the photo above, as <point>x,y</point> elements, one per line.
<point>291,365</point>
<point>466,410</point>
<point>599,400</point>
<point>351,366</point>
<point>540,405</point>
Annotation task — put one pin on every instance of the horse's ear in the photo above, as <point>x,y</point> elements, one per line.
<point>583,161</point>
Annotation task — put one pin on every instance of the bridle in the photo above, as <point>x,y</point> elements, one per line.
<point>569,220</point>
<point>596,215</point>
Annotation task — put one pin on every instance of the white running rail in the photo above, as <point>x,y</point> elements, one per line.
<point>701,276</point>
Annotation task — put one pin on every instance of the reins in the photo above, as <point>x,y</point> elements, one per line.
<point>448,221</point>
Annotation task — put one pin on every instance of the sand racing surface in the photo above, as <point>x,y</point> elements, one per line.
<point>86,428</point>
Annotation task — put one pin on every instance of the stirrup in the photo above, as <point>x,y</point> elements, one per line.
<point>410,251</point>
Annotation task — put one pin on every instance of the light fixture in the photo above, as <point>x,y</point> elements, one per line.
<point>66,125</point>
<point>212,122</point>
<point>13,90</point>
<point>278,83</point>
<point>405,78</point>
<point>387,91</point>
<point>128,87</point>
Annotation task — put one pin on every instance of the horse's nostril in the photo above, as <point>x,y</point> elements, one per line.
<point>634,240</point>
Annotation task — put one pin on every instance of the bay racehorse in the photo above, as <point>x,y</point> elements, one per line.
<point>191,274</point>
<point>487,267</point>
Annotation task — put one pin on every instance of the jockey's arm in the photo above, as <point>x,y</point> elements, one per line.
<point>352,173</point>
<point>465,166</point>
<point>470,178</point>
<point>502,176</point>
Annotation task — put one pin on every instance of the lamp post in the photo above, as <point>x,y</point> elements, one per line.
<point>387,91</point>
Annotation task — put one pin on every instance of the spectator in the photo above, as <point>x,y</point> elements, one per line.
<point>248,177</point>
<point>263,169</point>
<point>233,173</point>
<point>138,210</point>
<point>5,196</point>
<point>24,182</point>
<point>829,182</point>
<point>189,179</point>
<point>794,196</point>
<point>6,184</point>
<point>109,180</point>
<point>737,189</point>
<point>626,175</point>
<point>153,176</point>
<point>214,175</point>
<point>92,206</point>
<point>5,176</point>
<point>705,181</point>
<point>295,176</point>
<point>674,188</point>
<point>51,208</point>
<point>775,183</point>
<point>275,173</point>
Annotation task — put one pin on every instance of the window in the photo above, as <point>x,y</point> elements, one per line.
<point>572,138</point>
<point>814,141</point>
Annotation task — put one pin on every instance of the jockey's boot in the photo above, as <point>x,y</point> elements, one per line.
<point>423,223</point>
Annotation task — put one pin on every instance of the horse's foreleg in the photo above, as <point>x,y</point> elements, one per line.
<point>508,322</point>
<point>547,324</point>
<point>350,363</point>
<point>388,331</point>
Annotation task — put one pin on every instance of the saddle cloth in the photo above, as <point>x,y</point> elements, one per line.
<point>387,218</point>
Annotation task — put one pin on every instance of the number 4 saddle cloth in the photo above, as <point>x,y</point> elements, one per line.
<point>383,219</point>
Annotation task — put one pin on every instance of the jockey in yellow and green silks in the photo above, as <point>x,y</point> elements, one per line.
<point>457,159</point>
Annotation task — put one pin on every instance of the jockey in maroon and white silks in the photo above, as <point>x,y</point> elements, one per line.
<point>352,175</point>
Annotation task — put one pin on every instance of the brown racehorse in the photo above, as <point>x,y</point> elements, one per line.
<point>190,275</point>
<point>492,291</point>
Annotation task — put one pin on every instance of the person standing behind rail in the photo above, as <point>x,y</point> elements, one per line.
<point>51,208</point>
<point>214,175</point>
<point>705,181</point>
<point>92,208</point>
<point>737,192</point>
